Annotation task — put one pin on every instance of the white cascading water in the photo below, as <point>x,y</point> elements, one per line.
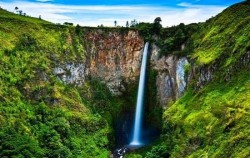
<point>140,96</point>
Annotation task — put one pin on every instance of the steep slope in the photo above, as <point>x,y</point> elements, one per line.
<point>212,118</point>
<point>225,36</point>
<point>55,98</point>
<point>40,114</point>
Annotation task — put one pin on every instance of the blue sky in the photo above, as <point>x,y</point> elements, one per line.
<point>97,12</point>
<point>139,2</point>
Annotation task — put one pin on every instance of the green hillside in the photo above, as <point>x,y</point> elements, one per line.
<point>40,116</point>
<point>212,120</point>
<point>225,36</point>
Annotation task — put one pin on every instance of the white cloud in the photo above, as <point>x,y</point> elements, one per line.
<point>44,1</point>
<point>184,4</point>
<point>96,15</point>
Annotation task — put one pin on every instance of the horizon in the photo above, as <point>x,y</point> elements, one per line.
<point>96,12</point>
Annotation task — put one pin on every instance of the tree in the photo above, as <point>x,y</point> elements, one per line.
<point>68,23</point>
<point>157,20</point>
<point>157,25</point>
<point>20,12</point>
<point>133,23</point>
<point>16,9</point>
<point>115,22</point>
<point>78,29</point>
<point>40,17</point>
<point>127,24</point>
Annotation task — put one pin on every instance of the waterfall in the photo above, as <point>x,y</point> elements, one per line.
<point>140,96</point>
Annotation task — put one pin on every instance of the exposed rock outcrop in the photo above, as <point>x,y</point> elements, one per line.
<point>171,78</point>
<point>113,56</point>
<point>72,73</point>
<point>204,74</point>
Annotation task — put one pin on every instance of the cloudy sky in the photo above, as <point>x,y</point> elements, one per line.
<point>97,12</point>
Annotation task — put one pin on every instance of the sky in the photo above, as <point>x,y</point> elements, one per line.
<point>105,12</point>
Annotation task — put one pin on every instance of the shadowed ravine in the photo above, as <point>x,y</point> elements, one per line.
<point>137,131</point>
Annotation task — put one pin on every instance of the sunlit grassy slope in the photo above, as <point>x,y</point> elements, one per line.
<point>212,121</point>
<point>40,116</point>
<point>225,36</point>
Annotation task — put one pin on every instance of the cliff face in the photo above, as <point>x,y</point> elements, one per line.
<point>36,105</point>
<point>171,78</point>
<point>112,56</point>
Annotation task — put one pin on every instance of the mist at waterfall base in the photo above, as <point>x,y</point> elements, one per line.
<point>125,127</point>
<point>131,128</point>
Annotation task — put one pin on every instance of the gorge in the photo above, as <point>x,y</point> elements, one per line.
<point>70,91</point>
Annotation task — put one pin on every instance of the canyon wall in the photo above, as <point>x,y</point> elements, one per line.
<point>114,57</point>
<point>171,78</point>
<point>111,55</point>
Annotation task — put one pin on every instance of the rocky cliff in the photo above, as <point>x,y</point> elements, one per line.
<point>171,77</point>
<point>41,116</point>
<point>114,57</point>
<point>111,56</point>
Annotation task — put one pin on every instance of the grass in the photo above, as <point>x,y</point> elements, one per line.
<point>223,35</point>
<point>9,16</point>
<point>41,116</point>
<point>212,120</point>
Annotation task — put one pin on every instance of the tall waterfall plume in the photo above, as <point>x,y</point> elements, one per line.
<point>140,96</point>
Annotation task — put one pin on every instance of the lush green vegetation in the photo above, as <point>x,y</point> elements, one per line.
<point>207,123</point>
<point>225,36</point>
<point>212,120</point>
<point>171,40</point>
<point>41,116</point>
<point>176,40</point>
<point>149,30</point>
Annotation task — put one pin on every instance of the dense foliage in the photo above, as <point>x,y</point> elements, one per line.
<point>211,120</point>
<point>225,36</point>
<point>41,116</point>
<point>171,40</point>
<point>149,30</point>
